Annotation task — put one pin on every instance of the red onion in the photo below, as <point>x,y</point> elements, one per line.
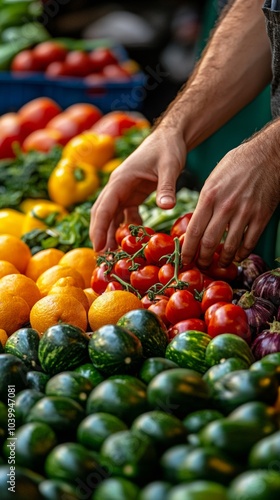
<point>278,314</point>
<point>260,312</point>
<point>267,286</point>
<point>249,269</point>
<point>267,342</point>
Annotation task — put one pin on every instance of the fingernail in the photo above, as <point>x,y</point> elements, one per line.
<point>166,200</point>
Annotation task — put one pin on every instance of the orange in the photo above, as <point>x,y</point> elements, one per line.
<point>82,259</point>
<point>42,261</point>
<point>7,268</point>
<point>14,312</point>
<point>3,337</point>
<point>108,307</point>
<point>49,277</point>
<point>67,286</point>
<point>19,284</point>
<point>57,308</point>
<point>15,251</point>
<point>91,295</point>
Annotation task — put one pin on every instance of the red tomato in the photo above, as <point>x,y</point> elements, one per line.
<point>209,312</point>
<point>37,113</point>
<point>159,245</point>
<point>131,244</point>
<point>78,63</point>
<point>194,278</point>
<point>85,113</point>
<point>11,131</point>
<point>113,285</point>
<point>56,69</point>
<point>97,82</point>
<point>144,278</point>
<point>114,72</point>
<point>229,318</point>
<point>121,231</point>
<point>100,278</point>
<point>123,269</point>
<point>48,52</point>
<point>147,302</point>
<point>101,57</point>
<point>166,273</point>
<point>228,273</point>
<point>64,124</point>
<point>180,225</point>
<point>217,291</point>
<point>25,61</point>
<point>185,325</point>
<point>116,123</point>
<point>159,308</point>
<point>42,140</point>
<point>182,305</point>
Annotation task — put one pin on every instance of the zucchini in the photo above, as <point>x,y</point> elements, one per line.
<point>12,374</point>
<point>255,485</point>
<point>33,442</point>
<point>150,330</point>
<point>152,366</point>
<point>24,401</point>
<point>90,372</point>
<point>188,349</point>
<point>116,488</point>
<point>37,380</point>
<point>69,384</point>
<point>266,452</point>
<point>115,350</point>
<point>199,490</point>
<point>122,395</point>
<point>55,489</point>
<point>131,455</point>
<point>24,344</point>
<point>95,428</point>
<point>178,391</point>
<point>164,430</point>
<point>228,345</point>
<point>62,347</point>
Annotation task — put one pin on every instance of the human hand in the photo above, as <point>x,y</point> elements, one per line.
<point>239,197</point>
<point>155,165</point>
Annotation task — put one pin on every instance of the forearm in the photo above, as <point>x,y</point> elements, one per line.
<point>234,68</point>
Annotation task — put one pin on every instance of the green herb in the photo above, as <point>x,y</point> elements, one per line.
<point>126,144</point>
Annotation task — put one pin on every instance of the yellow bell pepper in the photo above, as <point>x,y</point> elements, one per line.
<point>71,182</point>
<point>111,165</point>
<point>11,222</point>
<point>41,211</point>
<point>90,148</point>
<point>29,203</point>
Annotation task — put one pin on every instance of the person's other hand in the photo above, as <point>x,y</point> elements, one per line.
<point>239,197</point>
<point>155,165</point>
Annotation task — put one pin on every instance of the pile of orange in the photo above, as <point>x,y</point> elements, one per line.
<point>52,286</point>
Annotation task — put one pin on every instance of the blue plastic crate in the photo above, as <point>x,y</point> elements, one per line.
<point>16,90</point>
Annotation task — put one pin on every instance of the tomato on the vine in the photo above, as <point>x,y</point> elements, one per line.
<point>144,278</point>
<point>217,291</point>
<point>196,324</point>
<point>147,301</point>
<point>100,278</point>
<point>228,273</point>
<point>211,309</point>
<point>180,225</point>
<point>121,231</point>
<point>182,305</point>
<point>194,278</point>
<point>229,318</point>
<point>166,273</point>
<point>159,308</point>
<point>130,244</point>
<point>159,246</point>
<point>124,267</point>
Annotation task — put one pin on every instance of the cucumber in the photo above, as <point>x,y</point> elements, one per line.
<point>179,391</point>
<point>12,374</point>
<point>91,373</point>
<point>255,485</point>
<point>188,349</point>
<point>69,384</point>
<point>228,345</point>
<point>150,330</point>
<point>54,489</point>
<point>115,350</point>
<point>152,366</point>
<point>24,344</point>
<point>122,395</point>
<point>62,414</point>
<point>24,401</point>
<point>131,455</point>
<point>164,430</point>
<point>37,380</point>
<point>33,442</point>
<point>62,347</point>
<point>95,428</point>
<point>199,490</point>
<point>116,488</point>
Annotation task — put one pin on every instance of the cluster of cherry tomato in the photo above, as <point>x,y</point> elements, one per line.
<point>184,297</point>
<point>55,60</point>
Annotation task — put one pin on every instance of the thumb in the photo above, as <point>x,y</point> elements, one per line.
<point>166,192</point>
